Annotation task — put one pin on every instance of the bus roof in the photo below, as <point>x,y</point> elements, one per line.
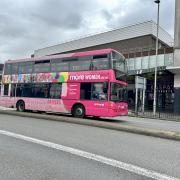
<point>68,55</point>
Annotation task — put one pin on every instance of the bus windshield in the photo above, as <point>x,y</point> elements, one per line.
<point>118,93</point>
<point>118,62</point>
<point>119,66</point>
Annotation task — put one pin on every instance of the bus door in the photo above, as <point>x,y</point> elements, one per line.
<point>95,97</point>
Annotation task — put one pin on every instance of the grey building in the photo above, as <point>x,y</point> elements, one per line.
<point>129,38</point>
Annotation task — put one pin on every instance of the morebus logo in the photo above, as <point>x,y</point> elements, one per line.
<point>85,77</point>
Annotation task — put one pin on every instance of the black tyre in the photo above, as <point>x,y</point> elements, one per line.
<point>21,106</point>
<point>78,111</point>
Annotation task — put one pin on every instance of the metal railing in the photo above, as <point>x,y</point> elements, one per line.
<point>163,112</point>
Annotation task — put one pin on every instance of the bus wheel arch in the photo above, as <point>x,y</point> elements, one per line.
<point>78,110</point>
<point>20,105</point>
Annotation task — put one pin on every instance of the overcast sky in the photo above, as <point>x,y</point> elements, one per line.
<point>26,25</point>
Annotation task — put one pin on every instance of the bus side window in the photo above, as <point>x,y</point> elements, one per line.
<point>13,90</point>
<point>85,91</point>
<point>55,91</point>
<point>6,89</point>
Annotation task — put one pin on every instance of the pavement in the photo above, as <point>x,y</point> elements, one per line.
<point>159,124</point>
<point>26,160</point>
<point>150,127</point>
<point>166,125</point>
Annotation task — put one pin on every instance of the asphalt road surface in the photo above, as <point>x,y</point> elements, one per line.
<point>24,158</point>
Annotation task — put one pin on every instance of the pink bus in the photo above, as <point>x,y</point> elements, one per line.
<point>91,83</point>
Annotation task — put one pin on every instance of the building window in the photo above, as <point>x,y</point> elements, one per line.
<point>6,89</point>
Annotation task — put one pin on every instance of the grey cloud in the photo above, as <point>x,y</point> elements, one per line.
<point>139,11</point>
<point>107,15</point>
<point>60,13</point>
<point>31,24</point>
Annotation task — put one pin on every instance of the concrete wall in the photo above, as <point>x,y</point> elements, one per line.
<point>177,34</point>
<point>177,80</point>
<point>177,25</point>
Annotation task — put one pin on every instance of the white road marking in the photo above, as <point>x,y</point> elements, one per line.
<point>118,164</point>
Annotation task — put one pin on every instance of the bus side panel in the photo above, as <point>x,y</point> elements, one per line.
<point>92,108</point>
<point>6,101</point>
<point>70,91</point>
<point>96,108</point>
<point>40,104</point>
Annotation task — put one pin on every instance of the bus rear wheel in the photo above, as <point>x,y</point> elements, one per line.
<point>20,106</point>
<point>78,111</point>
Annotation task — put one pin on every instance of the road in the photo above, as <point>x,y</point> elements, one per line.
<point>24,158</point>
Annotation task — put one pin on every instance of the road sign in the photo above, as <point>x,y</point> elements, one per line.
<point>140,82</point>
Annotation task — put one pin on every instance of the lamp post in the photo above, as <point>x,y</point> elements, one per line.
<point>155,73</point>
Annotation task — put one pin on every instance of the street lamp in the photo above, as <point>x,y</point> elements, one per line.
<point>155,73</point>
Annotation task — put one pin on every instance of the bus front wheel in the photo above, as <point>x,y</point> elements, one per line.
<point>20,106</point>
<point>78,111</point>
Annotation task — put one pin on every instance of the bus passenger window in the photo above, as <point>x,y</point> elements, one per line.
<point>85,91</point>
<point>6,89</point>
<point>55,91</point>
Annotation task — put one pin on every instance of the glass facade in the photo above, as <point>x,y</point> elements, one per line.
<point>147,62</point>
<point>130,64</point>
<point>138,63</point>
